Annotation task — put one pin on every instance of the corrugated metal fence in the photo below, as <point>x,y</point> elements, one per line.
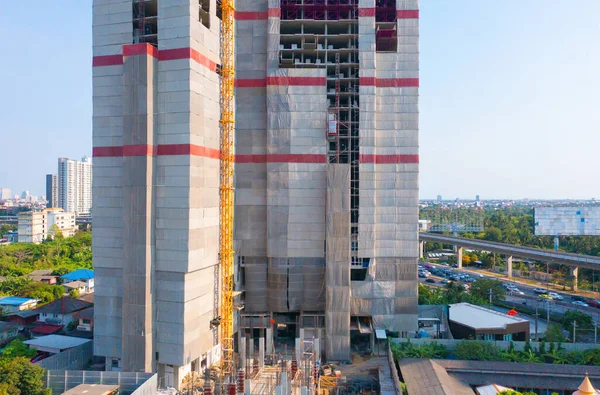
<point>60,381</point>
<point>74,358</point>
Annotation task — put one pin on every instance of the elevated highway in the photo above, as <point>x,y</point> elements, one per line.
<point>575,261</point>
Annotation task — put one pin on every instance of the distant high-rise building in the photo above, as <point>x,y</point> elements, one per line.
<point>439,198</point>
<point>477,198</point>
<point>36,226</point>
<point>5,193</point>
<point>75,185</point>
<point>52,190</point>
<point>24,194</point>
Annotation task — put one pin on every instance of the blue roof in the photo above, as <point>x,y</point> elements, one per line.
<point>15,301</point>
<point>81,274</point>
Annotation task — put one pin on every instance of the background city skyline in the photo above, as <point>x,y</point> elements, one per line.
<point>507,97</point>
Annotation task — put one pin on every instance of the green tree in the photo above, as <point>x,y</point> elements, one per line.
<point>74,294</point>
<point>17,348</point>
<point>493,234</point>
<point>483,286</point>
<point>20,376</point>
<point>478,351</point>
<point>554,333</point>
<point>584,322</point>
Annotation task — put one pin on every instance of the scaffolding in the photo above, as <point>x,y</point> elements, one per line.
<point>324,34</point>
<point>145,22</point>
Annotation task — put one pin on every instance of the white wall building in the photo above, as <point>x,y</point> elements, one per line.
<point>75,185</point>
<point>35,226</point>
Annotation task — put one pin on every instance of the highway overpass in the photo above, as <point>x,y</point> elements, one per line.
<point>575,261</point>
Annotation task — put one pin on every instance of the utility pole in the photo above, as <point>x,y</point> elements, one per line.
<point>490,296</point>
<point>536,320</point>
<point>548,312</point>
<point>574,328</point>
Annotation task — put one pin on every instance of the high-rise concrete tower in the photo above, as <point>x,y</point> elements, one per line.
<point>52,190</point>
<point>156,183</point>
<point>326,206</point>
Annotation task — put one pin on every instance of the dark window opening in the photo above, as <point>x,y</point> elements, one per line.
<point>358,274</point>
<point>219,10</point>
<point>204,16</point>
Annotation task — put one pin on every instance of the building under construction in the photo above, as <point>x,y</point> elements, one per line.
<point>326,179</point>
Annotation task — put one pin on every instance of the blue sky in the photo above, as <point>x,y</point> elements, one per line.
<point>510,95</point>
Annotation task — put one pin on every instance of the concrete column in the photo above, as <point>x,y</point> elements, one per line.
<point>298,350</point>
<point>509,260</point>
<point>247,386</point>
<point>261,352</point>
<point>269,341</point>
<point>317,349</point>
<point>575,273</point>
<point>459,252</point>
<point>251,351</point>
<point>421,249</point>
<point>243,349</point>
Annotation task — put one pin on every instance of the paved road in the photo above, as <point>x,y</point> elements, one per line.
<point>530,298</point>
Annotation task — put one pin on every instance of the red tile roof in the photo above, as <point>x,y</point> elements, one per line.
<point>47,329</point>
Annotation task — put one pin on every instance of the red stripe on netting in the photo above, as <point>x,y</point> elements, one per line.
<point>108,60</point>
<point>388,159</point>
<point>250,82</point>
<point>140,49</point>
<point>408,14</point>
<point>297,81</point>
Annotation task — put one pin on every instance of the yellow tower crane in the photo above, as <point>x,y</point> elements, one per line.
<point>226,185</point>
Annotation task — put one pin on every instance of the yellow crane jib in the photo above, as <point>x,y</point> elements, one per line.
<point>226,185</point>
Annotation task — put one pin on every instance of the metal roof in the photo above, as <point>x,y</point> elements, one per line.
<point>81,274</point>
<point>15,301</point>
<point>477,317</point>
<point>56,342</point>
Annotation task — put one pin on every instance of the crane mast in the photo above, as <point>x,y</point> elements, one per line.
<point>227,122</point>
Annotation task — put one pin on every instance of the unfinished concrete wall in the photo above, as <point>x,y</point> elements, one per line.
<point>337,309</point>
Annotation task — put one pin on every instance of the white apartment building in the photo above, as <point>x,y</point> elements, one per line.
<point>75,185</point>
<point>35,226</point>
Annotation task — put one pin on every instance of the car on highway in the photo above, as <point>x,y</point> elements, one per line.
<point>578,298</point>
<point>444,281</point>
<point>515,291</point>
<point>444,264</point>
<point>546,297</point>
<point>556,296</point>
<point>430,280</point>
<point>481,276</point>
<point>580,303</point>
<point>540,290</point>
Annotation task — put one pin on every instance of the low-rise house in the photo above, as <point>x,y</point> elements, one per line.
<point>10,304</point>
<point>55,344</point>
<point>79,286</point>
<point>23,318</point>
<point>84,275</point>
<point>86,320</point>
<point>61,311</point>
<point>8,331</point>
<point>44,276</point>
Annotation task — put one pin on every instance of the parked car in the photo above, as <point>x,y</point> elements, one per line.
<point>444,264</point>
<point>422,275</point>
<point>580,303</point>
<point>428,266</point>
<point>470,280</point>
<point>481,276</point>
<point>556,296</point>
<point>540,290</point>
<point>430,280</point>
<point>593,303</point>
<point>454,265</point>
<point>444,281</point>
